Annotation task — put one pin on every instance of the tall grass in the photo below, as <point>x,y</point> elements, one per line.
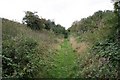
<point>25,51</point>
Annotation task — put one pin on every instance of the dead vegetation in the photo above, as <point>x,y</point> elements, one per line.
<point>78,47</point>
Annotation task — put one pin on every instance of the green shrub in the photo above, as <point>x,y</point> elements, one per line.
<point>16,57</point>
<point>109,49</point>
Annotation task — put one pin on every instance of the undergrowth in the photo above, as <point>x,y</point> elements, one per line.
<point>25,52</point>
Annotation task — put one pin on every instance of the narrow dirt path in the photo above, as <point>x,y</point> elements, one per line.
<point>64,62</point>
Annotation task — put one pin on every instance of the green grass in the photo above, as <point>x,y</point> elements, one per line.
<point>64,62</point>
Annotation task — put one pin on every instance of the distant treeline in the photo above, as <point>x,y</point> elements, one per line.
<point>34,22</point>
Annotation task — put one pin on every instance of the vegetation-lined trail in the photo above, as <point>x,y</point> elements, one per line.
<point>64,61</point>
<point>40,48</point>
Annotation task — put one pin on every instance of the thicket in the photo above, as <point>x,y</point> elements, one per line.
<point>100,32</point>
<point>26,53</point>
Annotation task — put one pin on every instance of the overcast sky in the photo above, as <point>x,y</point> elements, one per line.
<point>63,12</point>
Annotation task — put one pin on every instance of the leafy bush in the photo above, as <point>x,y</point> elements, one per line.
<point>16,57</point>
<point>108,49</point>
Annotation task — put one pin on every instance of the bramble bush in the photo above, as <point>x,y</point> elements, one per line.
<point>16,57</point>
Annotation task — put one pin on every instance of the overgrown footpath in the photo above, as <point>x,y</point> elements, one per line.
<point>64,62</point>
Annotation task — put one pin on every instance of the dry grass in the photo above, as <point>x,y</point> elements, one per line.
<point>46,39</point>
<point>79,47</point>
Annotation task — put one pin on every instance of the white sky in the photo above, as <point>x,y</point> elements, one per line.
<point>63,12</point>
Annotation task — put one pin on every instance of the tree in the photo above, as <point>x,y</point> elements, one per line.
<point>48,25</point>
<point>117,12</point>
<point>32,20</point>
